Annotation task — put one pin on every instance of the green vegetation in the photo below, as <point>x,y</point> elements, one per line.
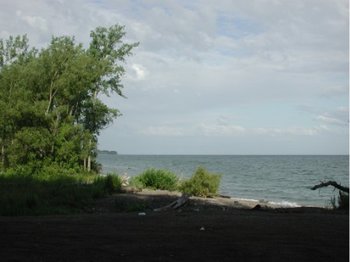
<point>156,179</point>
<point>51,116</point>
<point>112,183</point>
<point>52,193</point>
<point>202,183</point>
<point>50,105</point>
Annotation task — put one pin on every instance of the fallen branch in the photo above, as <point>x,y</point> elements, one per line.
<point>176,204</point>
<point>331,183</point>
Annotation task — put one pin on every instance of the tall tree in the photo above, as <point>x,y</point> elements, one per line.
<point>50,99</point>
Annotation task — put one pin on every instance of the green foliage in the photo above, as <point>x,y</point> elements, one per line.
<point>202,184</point>
<point>112,183</point>
<point>50,105</point>
<point>51,192</point>
<point>135,182</point>
<point>156,179</point>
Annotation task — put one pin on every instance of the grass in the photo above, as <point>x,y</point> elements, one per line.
<point>202,184</point>
<point>156,179</point>
<point>42,194</point>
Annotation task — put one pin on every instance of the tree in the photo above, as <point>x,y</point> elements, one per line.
<point>50,99</point>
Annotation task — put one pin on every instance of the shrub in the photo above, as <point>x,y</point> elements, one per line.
<point>112,183</point>
<point>156,179</point>
<point>202,183</point>
<point>136,183</point>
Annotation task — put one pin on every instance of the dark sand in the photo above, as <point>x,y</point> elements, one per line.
<point>196,232</point>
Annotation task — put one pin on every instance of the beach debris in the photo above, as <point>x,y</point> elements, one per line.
<point>175,204</point>
<point>257,207</point>
<point>130,190</point>
<point>224,196</point>
<point>202,229</point>
<point>343,198</point>
<point>331,183</point>
<point>142,214</point>
<point>125,179</point>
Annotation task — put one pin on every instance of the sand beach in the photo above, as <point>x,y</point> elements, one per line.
<point>125,227</point>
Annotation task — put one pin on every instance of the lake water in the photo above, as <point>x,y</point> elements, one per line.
<point>282,179</point>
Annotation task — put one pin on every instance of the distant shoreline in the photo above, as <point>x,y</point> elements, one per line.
<point>110,152</point>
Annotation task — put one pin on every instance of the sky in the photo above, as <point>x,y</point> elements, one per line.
<point>214,77</point>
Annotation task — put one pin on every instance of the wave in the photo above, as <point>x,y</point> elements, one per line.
<point>284,203</point>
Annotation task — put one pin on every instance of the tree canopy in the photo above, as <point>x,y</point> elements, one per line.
<point>50,105</point>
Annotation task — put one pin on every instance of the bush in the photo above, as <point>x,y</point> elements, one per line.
<point>156,179</point>
<point>202,184</point>
<point>112,183</point>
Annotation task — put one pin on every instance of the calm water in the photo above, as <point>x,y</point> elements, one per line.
<point>282,179</point>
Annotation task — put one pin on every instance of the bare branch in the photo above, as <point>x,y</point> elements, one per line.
<point>331,183</point>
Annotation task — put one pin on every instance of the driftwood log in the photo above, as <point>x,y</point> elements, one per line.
<point>331,183</point>
<point>175,204</point>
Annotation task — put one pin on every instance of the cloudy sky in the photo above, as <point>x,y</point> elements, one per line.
<point>214,77</point>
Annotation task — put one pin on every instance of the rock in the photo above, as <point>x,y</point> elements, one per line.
<point>257,207</point>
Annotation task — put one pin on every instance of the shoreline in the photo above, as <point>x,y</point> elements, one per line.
<point>260,177</point>
<point>230,201</point>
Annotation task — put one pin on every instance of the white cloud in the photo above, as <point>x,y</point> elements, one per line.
<point>203,58</point>
<point>162,131</point>
<point>220,130</point>
<point>37,22</point>
<point>289,131</point>
<point>339,116</point>
<point>228,130</point>
<point>330,120</point>
<point>139,72</point>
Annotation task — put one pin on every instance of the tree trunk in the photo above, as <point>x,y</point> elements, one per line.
<point>89,157</point>
<point>89,163</point>
<point>49,104</point>
<point>3,156</point>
